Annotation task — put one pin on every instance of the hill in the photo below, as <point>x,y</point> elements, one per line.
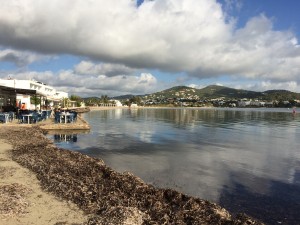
<point>209,92</point>
<point>216,91</point>
<point>124,97</point>
<point>280,95</point>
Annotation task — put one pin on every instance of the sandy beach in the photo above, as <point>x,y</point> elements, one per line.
<point>42,184</point>
<point>23,202</point>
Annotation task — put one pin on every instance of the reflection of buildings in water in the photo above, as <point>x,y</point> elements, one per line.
<point>118,113</point>
<point>65,137</point>
<point>133,112</point>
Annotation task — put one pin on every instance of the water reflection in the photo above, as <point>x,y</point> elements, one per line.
<point>233,157</point>
<point>65,137</point>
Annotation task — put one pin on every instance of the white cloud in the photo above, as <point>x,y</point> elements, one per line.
<point>69,81</point>
<point>90,68</point>
<point>263,85</point>
<point>169,35</point>
<point>290,85</point>
<point>19,58</point>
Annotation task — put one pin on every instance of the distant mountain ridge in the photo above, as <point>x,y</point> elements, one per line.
<point>212,92</point>
<point>217,91</point>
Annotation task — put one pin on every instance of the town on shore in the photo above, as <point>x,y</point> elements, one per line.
<point>210,96</point>
<point>34,95</point>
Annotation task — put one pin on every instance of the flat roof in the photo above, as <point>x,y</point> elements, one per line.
<point>18,90</point>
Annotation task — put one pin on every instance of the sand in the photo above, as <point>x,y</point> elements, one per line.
<point>30,205</point>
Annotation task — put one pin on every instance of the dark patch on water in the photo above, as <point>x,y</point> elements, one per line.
<point>280,206</point>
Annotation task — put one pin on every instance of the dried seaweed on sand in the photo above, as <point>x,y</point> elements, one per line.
<point>3,160</point>
<point>6,171</point>
<point>13,200</point>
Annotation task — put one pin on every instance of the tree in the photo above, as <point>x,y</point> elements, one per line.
<point>92,101</point>
<point>77,99</point>
<point>35,100</point>
<point>65,102</point>
<point>135,99</point>
<point>104,99</point>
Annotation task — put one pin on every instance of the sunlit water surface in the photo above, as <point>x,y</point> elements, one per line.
<point>246,160</point>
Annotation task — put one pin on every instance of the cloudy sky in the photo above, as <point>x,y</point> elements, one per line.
<point>116,47</point>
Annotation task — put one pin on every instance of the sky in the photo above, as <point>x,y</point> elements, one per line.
<point>117,47</point>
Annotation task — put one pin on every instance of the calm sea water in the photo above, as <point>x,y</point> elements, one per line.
<point>246,160</point>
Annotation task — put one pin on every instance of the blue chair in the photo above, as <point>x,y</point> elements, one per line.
<point>74,116</point>
<point>57,117</point>
<point>48,113</point>
<point>20,118</point>
<point>36,117</point>
<point>11,116</point>
<point>43,115</point>
<point>2,118</point>
<point>71,118</point>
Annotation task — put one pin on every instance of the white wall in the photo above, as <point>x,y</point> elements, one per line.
<point>42,89</point>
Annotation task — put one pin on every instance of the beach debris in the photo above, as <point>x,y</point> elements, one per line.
<point>13,202</point>
<point>3,159</point>
<point>119,215</point>
<point>6,171</point>
<point>108,196</point>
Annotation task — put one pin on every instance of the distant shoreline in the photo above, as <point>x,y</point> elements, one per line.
<point>95,108</point>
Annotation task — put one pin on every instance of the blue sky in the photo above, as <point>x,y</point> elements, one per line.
<point>93,48</point>
<point>284,13</point>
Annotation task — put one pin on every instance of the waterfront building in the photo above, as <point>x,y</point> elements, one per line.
<point>48,95</point>
<point>118,103</point>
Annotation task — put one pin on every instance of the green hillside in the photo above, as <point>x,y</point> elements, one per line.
<point>209,92</point>
<point>215,91</point>
<point>280,95</point>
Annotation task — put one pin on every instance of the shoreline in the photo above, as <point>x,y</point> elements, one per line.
<point>23,202</point>
<point>104,194</point>
<point>283,109</point>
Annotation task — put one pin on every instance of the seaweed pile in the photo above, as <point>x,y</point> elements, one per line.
<point>13,200</point>
<point>108,196</point>
<point>6,172</point>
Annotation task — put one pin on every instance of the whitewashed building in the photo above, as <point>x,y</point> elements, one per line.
<point>49,95</point>
<point>117,103</point>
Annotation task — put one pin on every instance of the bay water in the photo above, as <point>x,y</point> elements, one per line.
<point>246,160</point>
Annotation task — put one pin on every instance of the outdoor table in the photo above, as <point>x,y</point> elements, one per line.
<point>64,117</point>
<point>28,117</point>
<point>47,113</point>
<point>11,116</point>
<point>6,117</point>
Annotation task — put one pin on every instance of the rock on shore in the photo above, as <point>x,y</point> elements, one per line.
<point>108,196</point>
